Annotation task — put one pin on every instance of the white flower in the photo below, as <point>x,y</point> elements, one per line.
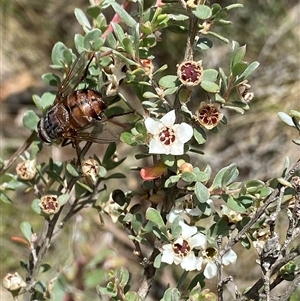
<point>210,270</point>
<point>168,138</point>
<point>176,212</point>
<point>181,251</point>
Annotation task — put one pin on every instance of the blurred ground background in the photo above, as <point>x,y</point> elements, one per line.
<point>258,141</point>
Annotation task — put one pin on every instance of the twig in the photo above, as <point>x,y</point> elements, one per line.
<point>16,155</point>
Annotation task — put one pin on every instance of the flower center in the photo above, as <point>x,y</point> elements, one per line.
<point>167,136</point>
<point>182,249</point>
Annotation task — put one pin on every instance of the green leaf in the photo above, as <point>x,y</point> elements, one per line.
<point>249,70</point>
<point>171,294</point>
<point>188,177</point>
<point>128,46</point>
<point>225,176</point>
<point>4,198</point>
<point>239,68</point>
<point>110,151</point>
<point>202,176</point>
<point>220,228</point>
<point>218,36</point>
<point>286,118</point>
<point>121,276</point>
<point>201,192</point>
<point>119,32</point>
<point>210,75</point>
<point>123,14</point>
<point>30,120</point>
<point>132,296</point>
<point>82,19</point>
<point>210,87</point>
<point>202,12</point>
<point>26,230</point>
<point>150,95</point>
<point>204,44</point>
<point>241,204</point>
<point>155,217</point>
<point>93,39</point>
<point>86,187</point>
<point>169,81</point>
<point>79,42</point>
<point>72,170</point>
<point>51,79</point>
<point>172,181</point>
<point>199,135</point>
<point>64,198</point>
<point>44,267</point>
<point>93,11</point>
<point>35,206</point>
<point>57,53</point>
<point>238,55</point>
<point>46,100</point>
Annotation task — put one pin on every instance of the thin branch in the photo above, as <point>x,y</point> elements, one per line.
<point>16,155</point>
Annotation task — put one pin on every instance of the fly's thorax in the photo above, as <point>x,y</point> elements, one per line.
<point>52,126</point>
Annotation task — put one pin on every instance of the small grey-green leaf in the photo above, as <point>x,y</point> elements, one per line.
<point>72,170</point>
<point>64,198</point>
<point>123,14</point>
<point>202,12</point>
<point>26,230</point>
<point>171,294</point>
<point>150,95</point>
<point>57,53</point>
<point>4,198</point>
<point>201,192</point>
<point>155,217</point>
<point>82,19</point>
<point>169,81</point>
<point>47,99</point>
<point>210,75</point>
<point>210,86</point>
<point>286,118</point>
<point>30,120</point>
<point>35,206</point>
<point>249,70</point>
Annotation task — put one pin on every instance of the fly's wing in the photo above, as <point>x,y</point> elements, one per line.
<point>77,73</point>
<point>104,131</point>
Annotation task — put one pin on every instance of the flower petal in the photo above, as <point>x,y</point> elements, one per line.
<point>188,263</point>
<point>183,131</point>
<point>210,270</point>
<point>176,148</point>
<point>152,126</point>
<point>168,119</point>
<point>229,257</point>
<point>199,261</point>
<point>156,147</point>
<point>187,231</point>
<point>198,240</point>
<point>168,254</point>
<point>173,214</point>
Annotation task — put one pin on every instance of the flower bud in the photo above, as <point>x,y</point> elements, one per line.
<point>26,170</point>
<point>49,204</point>
<point>13,282</point>
<point>186,167</point>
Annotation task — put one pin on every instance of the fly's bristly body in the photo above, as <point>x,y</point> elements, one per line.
<point>73,110</point>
